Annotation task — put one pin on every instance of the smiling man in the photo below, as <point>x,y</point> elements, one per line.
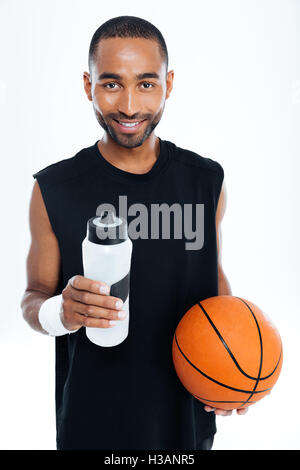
<point>128,85</point>
<point>127,396</point>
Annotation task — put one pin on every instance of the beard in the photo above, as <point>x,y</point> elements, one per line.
<point>128,140</point>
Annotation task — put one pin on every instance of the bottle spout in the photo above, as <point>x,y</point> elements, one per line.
<point>107,217</point>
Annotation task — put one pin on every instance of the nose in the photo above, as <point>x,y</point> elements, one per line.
<point>128,103</point>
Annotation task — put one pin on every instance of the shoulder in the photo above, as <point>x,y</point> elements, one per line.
<point>187,157</point>
<point>63,170</point>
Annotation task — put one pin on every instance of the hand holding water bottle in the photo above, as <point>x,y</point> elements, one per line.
<point>86,302</point>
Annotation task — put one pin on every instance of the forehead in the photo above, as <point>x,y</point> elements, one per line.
<point>119,54</point>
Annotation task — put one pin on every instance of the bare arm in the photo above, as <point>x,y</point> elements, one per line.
<point>223,283</point>
<point>82,302</point>
<point>43,261</point>
<point>224,286</point>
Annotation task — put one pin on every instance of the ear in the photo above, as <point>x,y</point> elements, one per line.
<point>87,85</point>
<point>170,79</point>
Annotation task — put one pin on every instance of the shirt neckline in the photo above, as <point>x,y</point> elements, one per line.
<point>159,164</point>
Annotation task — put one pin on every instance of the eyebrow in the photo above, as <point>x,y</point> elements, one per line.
<point>139,76</point>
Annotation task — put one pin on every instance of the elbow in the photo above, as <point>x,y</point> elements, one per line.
<point>24,303</point>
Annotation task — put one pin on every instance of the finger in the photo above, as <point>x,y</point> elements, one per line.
<point>83,320</point>
<point>84,283</point>
<point>221,412</point>
<point>98,322</point>
<point>75,319</point>
<point>242,411</point>
<point>209,408</point>
<point>99,312</point>
<point>98,300</point>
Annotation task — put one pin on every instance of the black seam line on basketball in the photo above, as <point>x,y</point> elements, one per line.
<point>213,380</point>
<point>225,344</point>
<point>231,354</point>
<point>220,401</point>
<point>268,376</point>
<point>261,351</point>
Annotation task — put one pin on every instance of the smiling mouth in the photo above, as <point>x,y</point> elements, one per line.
<point>129,127</point>
<point>129,123</point>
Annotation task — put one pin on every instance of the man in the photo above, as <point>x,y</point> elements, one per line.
<point>127,396</point>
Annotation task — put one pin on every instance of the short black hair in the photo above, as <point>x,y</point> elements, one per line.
<point>127,27</point>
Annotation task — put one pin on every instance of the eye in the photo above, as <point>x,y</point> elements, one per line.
<point>107,85</point>
<point>111,83</point>
<point>147,83</point>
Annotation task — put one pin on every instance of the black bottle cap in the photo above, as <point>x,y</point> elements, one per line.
<point>107,229</point>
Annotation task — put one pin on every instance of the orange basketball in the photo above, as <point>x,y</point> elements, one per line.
<point>226,352</point>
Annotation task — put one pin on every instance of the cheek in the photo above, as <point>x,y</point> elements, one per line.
<point>103,100</point>
<point>154,102</point>
<point>108,99</point>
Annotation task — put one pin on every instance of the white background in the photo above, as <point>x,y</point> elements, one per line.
<point>236,99</point>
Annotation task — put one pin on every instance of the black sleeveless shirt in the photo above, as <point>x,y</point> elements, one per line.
<point>129,396</point>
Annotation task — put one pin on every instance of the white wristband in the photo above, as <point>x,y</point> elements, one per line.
<point>49,317</point>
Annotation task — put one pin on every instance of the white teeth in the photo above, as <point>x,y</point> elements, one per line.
<point>127,124</point>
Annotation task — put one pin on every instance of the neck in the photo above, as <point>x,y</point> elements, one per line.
<point>137,160</point>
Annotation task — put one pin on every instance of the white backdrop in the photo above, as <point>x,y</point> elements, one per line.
<point>236,99</point>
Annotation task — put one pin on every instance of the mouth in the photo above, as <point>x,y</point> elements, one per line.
<point>129,127</point>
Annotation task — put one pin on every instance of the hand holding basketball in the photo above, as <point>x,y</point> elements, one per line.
<point>220,412</point>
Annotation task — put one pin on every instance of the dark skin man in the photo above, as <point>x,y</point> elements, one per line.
<point>128,84</point>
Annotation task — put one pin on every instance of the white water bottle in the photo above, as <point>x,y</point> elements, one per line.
<point>106,255</point>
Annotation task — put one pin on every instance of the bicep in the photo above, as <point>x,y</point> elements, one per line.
<point>219,216</point>
<point>43,260</point>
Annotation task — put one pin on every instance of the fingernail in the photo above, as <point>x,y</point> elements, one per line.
<point>112,322</point>
<point>122,314</point>
<point>104,289</point>
<point>119,304</point>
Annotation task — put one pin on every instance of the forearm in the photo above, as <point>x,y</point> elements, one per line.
<point>30,305</point>
<point>223,284</point>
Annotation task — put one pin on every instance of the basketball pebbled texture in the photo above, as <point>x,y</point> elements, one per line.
<point>226,352</point>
